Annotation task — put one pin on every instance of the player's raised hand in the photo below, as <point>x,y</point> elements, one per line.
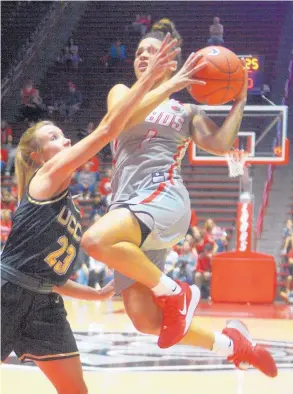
<point>187,74</point>
<point>162,61</point>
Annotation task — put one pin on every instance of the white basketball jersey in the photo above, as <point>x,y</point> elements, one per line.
<point>151,152</point>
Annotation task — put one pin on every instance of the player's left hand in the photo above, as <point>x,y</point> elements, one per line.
<point>106,292</point>
<point>242,96</point>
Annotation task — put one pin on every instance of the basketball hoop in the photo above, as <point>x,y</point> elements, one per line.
<point>236,160</point>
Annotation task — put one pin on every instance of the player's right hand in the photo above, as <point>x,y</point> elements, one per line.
<point>187,74</point>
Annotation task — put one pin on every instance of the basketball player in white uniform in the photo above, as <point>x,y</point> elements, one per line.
<point>150,210</point>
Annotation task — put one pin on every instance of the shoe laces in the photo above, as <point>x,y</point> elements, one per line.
<point>170,313</point>
<point>243,354</point>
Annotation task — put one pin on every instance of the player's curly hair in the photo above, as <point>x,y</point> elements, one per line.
<point>161,28</point>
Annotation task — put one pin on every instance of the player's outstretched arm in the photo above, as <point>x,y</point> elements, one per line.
<point>184,77</point>
<point>82,292</point>
<point>67,161</point>
<point>219,140</point>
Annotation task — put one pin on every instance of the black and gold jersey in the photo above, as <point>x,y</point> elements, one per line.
<point>45,238</point>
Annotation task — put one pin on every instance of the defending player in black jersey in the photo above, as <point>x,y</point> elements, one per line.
<point>40,252</point>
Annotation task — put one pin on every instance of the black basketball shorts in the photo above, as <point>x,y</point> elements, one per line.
<point>34,325</point>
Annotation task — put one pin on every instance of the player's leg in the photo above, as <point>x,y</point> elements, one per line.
<point>65,374</point>
<point>47,339</point>
<point>14,304</point>
<point>146,316</point>
<point>116,239</point>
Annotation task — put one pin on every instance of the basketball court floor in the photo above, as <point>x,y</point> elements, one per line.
<point>117,359</point>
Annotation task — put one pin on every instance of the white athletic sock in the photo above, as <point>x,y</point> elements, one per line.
<point>166,286</point>
<point>223,345</point>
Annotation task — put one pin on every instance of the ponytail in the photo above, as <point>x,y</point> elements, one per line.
<point>25,166</point>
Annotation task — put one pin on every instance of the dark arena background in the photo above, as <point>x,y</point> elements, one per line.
<point>59,60</point>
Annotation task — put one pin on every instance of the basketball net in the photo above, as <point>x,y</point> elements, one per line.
<point>236,160</point>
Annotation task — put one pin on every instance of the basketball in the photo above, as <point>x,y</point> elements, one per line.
<point>224,76</point>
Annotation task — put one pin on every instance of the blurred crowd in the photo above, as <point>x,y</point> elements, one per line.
<point>191,259</point>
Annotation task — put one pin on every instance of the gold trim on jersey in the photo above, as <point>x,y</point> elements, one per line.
<point>45,202</point>
<point>61,355</point>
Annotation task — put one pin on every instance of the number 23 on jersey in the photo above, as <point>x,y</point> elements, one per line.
<point>60,266</point>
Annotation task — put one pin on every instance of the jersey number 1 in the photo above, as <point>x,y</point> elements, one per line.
<point>59,266</point>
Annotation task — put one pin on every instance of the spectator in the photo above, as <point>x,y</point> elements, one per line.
<point>105,184</point>
<point>216,33</point>
<point>7,200</point>
<point>171,262</point>
<point>4,159</point>
<point>99,273</point>
<point>208,234</point>
<point>186,265</point>
<point>32,108</point>
<point>287,296</point>
<point>73,48</point>
<point>106,152</point>
<point>204,266</point>
<point>288,245</point>
<point>141,24</point>
<point>65,58</point>
<point>86,180</point>
<point>96,273</point>
<point>6,225</point>
<point>13,188</point>
<point>199,242</point>
<point>87,130</point>
<point>220,238</point>
<point>82,266</point>
<point>71,105</point>
<point>105,202</point>
<point>27,92</point>
<point>98,207</point>
<point>290,271</point>
<point>195,231</point>
<point>191,241</point>
<point>288,230</point>
<point>117,54</point>
<point>7,144</point>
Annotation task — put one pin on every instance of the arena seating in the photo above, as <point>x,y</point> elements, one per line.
<point>19,21</point>
<point>212,194</point>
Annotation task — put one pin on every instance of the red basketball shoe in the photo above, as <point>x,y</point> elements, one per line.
<point>248,353</point>
<point>177,311</point>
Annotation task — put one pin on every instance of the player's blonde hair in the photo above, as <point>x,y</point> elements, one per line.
<point>25,166</point>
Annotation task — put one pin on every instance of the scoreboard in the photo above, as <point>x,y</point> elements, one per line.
<point>255,68</point>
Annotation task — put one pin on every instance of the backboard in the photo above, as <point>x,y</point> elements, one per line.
<point>263,135</point>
